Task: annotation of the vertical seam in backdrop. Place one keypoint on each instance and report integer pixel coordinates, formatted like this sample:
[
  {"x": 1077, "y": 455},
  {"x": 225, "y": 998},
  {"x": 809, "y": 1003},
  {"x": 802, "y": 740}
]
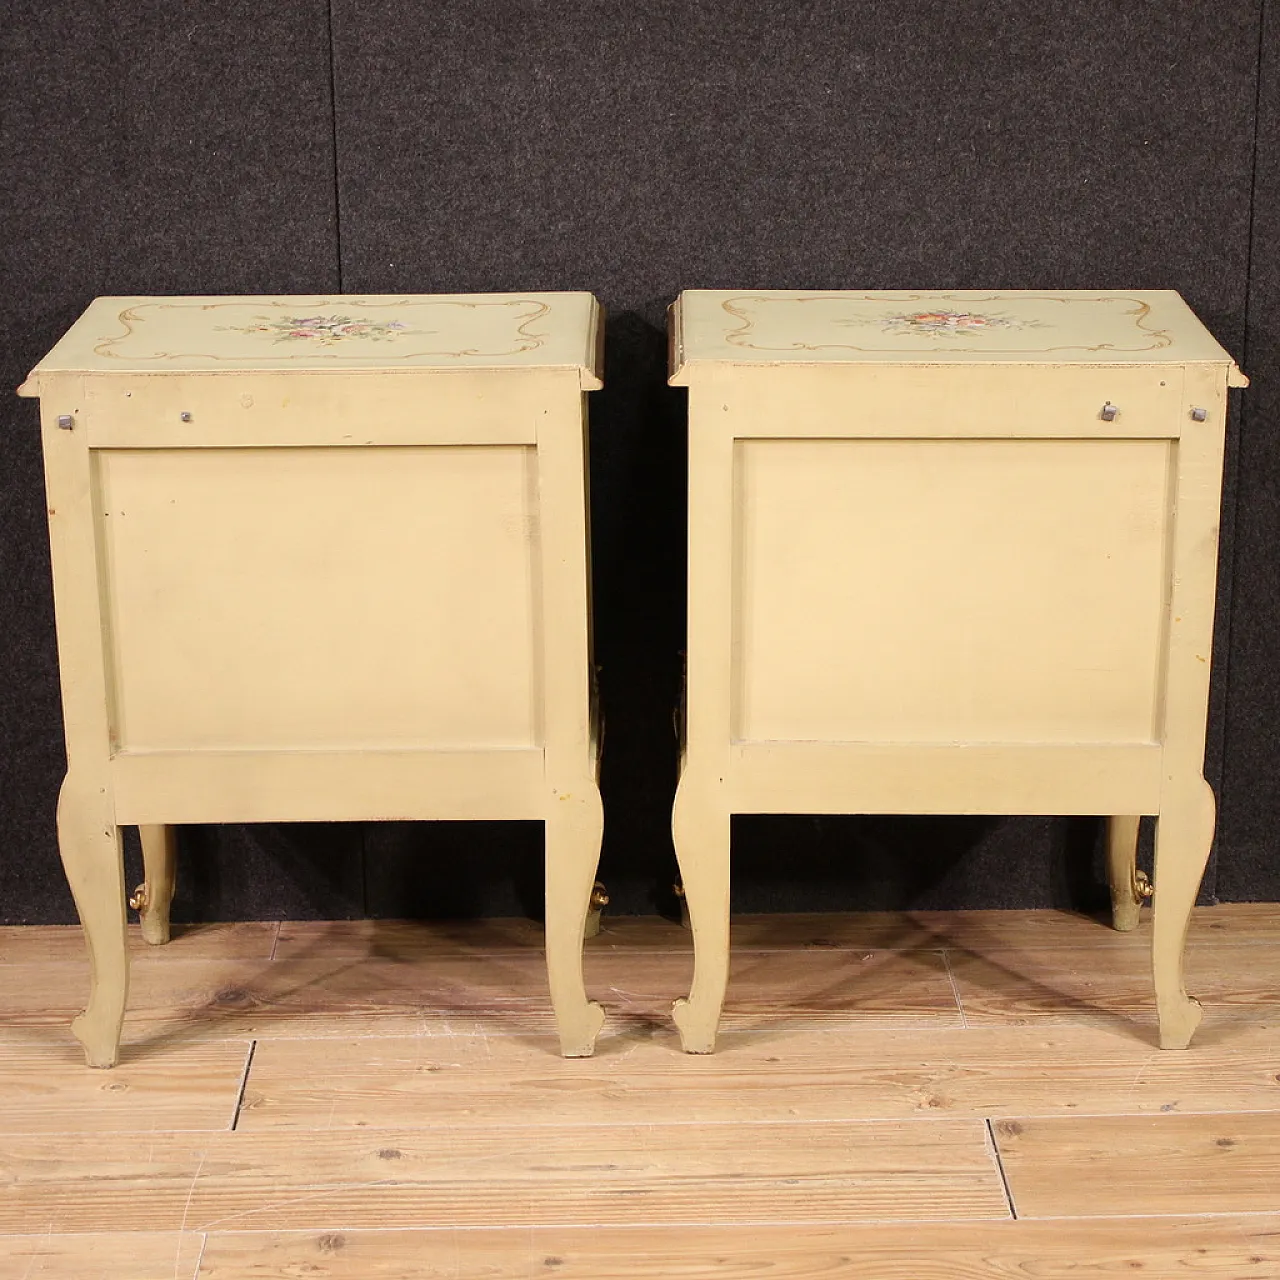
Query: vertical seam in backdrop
[
  {"x": 1230, "y": 695},
  {"x": 333, "y": 116}
]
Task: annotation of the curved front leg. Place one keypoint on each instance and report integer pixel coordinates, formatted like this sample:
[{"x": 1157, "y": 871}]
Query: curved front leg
[
  {"x": 154, "y": 895},
  {"x": 574, "y": 826},
  {"x": 89, "y": 842},
  {"x": 1184, "y": 834},
  {"x": 1127, "y": 885},
  {"x": 700, "y": 828}
]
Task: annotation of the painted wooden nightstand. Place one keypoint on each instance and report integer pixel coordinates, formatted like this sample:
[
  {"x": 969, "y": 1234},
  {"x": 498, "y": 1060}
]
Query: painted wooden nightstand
[
  {"x": 950, "y": 553},
  {"x": 321, "y": 559}
]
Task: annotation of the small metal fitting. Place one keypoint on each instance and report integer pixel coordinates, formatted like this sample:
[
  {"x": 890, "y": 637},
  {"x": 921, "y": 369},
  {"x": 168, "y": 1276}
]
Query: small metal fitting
[
  {"x": 139, "y": 900},
  {"x": 678, "y": 890},
  {"x": 1199, "y": 415},
  {"x": 595, "y": 909},
  {"x": 66, "y": 421},
  {"x": 185, "y": 415},
  {"x": 1109, "y": 412}
]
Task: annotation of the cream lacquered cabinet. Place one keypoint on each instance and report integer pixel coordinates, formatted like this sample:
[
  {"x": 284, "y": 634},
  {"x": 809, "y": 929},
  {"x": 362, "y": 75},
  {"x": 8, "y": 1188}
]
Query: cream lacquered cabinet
[
  {"x": 321, "y": 559},
  {"x": 950, "y": 553}
]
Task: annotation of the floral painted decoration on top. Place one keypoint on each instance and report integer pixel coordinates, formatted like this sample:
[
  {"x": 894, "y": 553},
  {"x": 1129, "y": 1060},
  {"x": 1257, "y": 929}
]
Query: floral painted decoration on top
[
  {"x": 325, "y": 331},
  {"x": 946, "y": 323}
]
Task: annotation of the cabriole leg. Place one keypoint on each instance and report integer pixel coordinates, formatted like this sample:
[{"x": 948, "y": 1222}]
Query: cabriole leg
[
  {"x": 1184, "y": 834},
  {"x": 700, "y": 828},
  {"x": 1127, "y": 886},
  {"x": 574, "y": 827},
  {"x": 89, "y": 842},
  {"x": 154, "y": 896}
]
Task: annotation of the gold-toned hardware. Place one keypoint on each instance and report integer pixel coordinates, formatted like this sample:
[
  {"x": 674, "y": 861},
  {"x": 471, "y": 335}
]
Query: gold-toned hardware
[
  {"x": 139, "y": 900},
  {"x": 599, "y": 900},
  {"x": 1142, "y": 886},
  {"x": 678, "y": 890}
]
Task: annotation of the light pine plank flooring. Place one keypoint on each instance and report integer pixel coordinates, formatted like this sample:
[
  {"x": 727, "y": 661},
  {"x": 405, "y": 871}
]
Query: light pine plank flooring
[{"x": 895, "y": 1097}]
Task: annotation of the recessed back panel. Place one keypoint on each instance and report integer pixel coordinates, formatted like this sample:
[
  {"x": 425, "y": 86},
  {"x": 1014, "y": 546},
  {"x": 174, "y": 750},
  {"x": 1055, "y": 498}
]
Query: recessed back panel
[
  {"x": 949, "y": 590},
  {"x": 321, "y": 598}
]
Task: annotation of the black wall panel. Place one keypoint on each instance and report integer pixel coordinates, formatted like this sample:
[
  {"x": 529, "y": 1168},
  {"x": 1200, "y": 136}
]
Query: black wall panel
[
  {"x": 1249, "y": 810},
  {"x": 634, "y": 150},
  {"x": 643, "y": 148},
  {"x": 149, "y": 148}
]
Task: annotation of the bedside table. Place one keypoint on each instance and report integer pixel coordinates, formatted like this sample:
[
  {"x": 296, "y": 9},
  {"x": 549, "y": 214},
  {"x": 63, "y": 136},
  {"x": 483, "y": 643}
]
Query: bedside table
[
  {"x": 950, "y": 553},
  {"x": 321, "y": 559}
]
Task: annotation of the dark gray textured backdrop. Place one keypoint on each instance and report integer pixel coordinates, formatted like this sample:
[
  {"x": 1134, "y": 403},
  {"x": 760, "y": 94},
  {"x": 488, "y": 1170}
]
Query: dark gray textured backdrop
[{"x": 634, "y": 150}]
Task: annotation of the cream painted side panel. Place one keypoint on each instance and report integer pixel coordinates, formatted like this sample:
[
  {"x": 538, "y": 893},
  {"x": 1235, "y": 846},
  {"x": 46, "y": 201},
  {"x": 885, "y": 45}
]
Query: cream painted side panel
[
  {"x": 332, "y": 599},
  {"x": 936, "y": 591}
]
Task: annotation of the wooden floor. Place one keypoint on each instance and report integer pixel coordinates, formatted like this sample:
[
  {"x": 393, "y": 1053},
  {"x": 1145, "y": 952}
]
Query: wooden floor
[{"x": 926, "y": 1097}]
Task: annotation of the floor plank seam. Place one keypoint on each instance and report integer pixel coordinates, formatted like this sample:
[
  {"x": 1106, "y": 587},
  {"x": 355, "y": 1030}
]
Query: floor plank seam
[
  {"x": 42, "y": 1135},
  {"x": 471, "y": 1125},
  {"x": 684, "y": 1225},
  {"x": 204, "y": 1244},
  {"x": 629, "y": 1224},
  {"x": 1152, "y": 1217},
  {"x": 1004, "y": 1179},
  {"x": 244, "y": 1084},
  {"x": 955, "y": 990},
  {"x": 637, "y": 1227}
]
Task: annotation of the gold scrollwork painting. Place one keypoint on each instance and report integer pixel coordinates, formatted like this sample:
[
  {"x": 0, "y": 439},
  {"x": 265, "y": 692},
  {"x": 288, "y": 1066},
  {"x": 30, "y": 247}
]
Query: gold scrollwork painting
[
  {"x": 941, "y": 322},
  {"x": 337, "y": 328}
]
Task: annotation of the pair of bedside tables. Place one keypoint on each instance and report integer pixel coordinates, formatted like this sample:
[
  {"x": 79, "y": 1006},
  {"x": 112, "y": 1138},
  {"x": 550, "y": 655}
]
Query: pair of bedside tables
[{"x": 327, "y": 559}]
